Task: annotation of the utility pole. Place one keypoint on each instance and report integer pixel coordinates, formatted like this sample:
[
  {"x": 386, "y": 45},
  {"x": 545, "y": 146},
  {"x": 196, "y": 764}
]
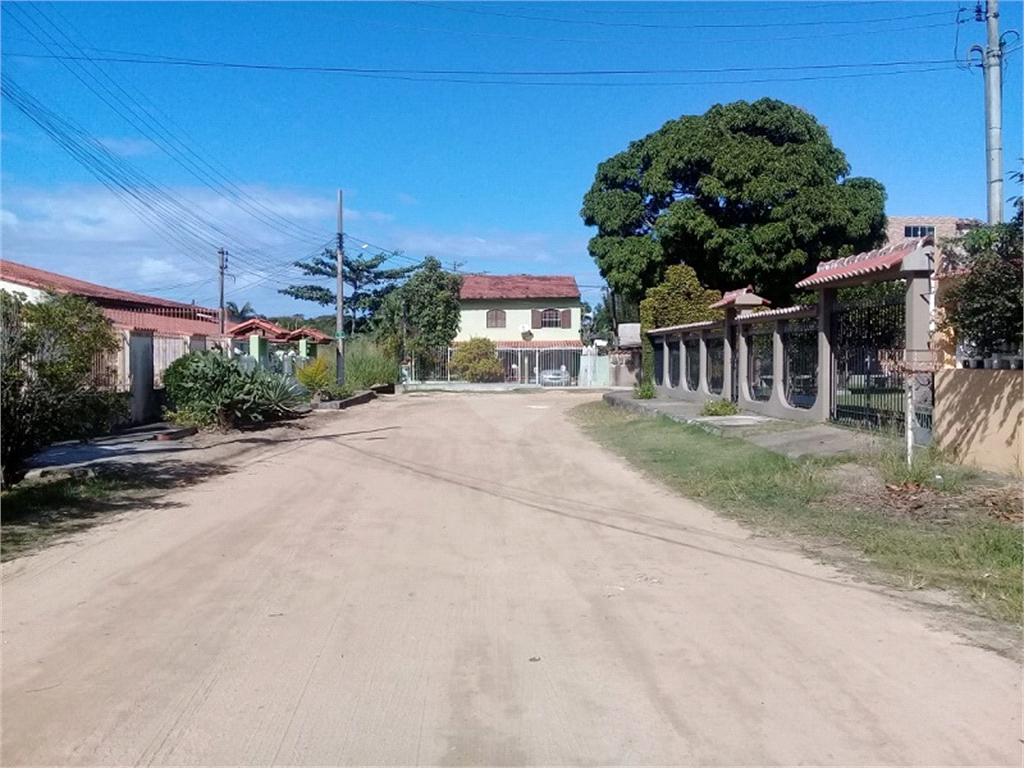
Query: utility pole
[
  {"x": 222, "y": 268},
  {"x": 992, "y": 64},
  {"x": 340, "y": 322}
]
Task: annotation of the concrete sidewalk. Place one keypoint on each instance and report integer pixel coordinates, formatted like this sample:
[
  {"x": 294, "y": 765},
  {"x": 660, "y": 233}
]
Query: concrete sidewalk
[{"x": 793, "y": 438}]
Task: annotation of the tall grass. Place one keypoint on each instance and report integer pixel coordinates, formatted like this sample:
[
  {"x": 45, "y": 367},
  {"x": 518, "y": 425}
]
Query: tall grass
[{"x": 366, "y": 364}]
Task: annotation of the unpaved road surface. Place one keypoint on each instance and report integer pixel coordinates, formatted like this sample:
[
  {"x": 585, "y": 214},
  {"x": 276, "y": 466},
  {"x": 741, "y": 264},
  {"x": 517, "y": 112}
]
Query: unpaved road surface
[{"x": 467, "y": 580}]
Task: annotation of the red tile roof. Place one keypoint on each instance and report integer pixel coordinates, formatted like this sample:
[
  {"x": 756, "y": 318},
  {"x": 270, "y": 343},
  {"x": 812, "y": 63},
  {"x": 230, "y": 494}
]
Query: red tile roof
[
  {"x": 519, "y": 287},
  {"x": 871, "y": 262},
  {"x": 730, "y": 297},
  {"x": 162, "y": 325},
  {"x": 40, "y": 278},
  {"x": 257, "y": 324},
  {"x": 534, "y": 344},
  {"x": 308, "y": 333}
]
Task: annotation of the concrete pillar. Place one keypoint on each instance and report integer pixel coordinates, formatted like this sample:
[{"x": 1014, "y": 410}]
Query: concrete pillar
[
  {"x": 140, "y": 367},
  {"x": 826, "y": 364},
  {"x": 743, "y": 374},
  {"x": 702, "y": 377},
  {"x": 304, "y": 348},
  {"x": 727, "y": 352},
  {"x": 779, "y": 363},
  {"x": 197, "y": 343},
  {"x": 918, "y": 311},
  {"x": 259, "y": 348}
]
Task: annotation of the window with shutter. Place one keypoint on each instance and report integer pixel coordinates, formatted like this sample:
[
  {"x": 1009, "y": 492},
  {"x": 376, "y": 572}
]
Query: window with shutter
[
  {"x": 495, "y": 318},
  {"x": 566, "y": 318},
  {"x": 535, "y": 319},
  {"x": 550, "y": 318}
]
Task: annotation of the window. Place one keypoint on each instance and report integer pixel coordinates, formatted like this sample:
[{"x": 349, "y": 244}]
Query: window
[
  {"x": 550, "y": 318},
  {"x": 918, "y": 231},
  {"x": 496, "y": 318}
]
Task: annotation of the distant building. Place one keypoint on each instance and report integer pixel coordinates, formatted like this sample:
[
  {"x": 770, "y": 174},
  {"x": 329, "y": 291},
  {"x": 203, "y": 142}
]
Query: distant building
[
  {"x": 521, "y": 310},
  {"x": 940, "y": 227}
]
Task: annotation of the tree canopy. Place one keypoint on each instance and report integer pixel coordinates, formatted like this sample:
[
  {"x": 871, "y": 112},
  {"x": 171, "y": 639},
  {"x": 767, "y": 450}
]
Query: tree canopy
[
  {"x": 423, "y": 313},
  {"x": 747, "y": 193},
  {"x": 366, "y": 276}
]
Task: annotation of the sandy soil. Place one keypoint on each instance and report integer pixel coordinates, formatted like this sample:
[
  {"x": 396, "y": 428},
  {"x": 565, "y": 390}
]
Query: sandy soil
[{"x": 467, "y": 580}]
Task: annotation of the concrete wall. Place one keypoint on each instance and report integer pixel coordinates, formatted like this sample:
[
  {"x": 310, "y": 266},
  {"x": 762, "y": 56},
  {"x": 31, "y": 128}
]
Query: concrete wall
[
  {"x": 977, "y": 417},
  {"x": 473, "y": 320},
  {"x": 31, "y": 294}
]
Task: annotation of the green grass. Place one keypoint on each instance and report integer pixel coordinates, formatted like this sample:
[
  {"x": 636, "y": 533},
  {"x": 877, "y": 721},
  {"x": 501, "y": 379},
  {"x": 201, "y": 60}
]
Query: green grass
[{"x": 974, "y": 554}]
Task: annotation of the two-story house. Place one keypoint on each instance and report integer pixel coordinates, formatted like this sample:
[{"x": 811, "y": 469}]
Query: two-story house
[{"x": 533, "y": 320}]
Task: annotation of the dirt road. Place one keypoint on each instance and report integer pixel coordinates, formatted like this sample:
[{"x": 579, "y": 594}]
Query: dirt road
[{"x": 466, "y": 580}]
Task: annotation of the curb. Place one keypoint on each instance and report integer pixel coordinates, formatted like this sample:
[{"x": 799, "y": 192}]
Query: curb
[
  {"x": 339, "y": 405},
  {"x": 632, "y": 405},
  {"x": 176, "y": 434}
]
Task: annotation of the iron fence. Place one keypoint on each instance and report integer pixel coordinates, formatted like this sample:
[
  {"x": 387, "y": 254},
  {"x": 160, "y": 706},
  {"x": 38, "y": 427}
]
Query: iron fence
[
  {"x": 692, "y": 347},
  {"x": 800, "y": 341},
  {"x": 673, "y": 362},
  {"x": 867, "y": 345},
  {"x": 760, "y": 360},
  {"x": 716, "y": 364},
  {"x": 547, "y": 367}
]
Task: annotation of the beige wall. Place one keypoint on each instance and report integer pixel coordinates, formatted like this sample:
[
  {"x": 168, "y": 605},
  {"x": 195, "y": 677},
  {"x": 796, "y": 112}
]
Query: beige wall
[
  {"x": 977, "y": 417},
  {"x": 473, "y": 320}
]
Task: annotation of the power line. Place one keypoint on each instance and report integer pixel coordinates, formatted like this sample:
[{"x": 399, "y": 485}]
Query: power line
[
  {"x": 460, "y": 8},
  {"x": 155, "y": 130}
]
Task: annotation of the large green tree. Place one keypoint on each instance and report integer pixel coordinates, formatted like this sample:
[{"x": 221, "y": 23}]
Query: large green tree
[
  {"x": 421, "y": 315},
  {"x": 367, "y": 278},
  {"x": 747, "y": 193}
]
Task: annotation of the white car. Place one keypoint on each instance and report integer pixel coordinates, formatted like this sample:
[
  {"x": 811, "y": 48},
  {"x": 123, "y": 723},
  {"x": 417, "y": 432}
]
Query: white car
[{"x": 554, "y": 377}]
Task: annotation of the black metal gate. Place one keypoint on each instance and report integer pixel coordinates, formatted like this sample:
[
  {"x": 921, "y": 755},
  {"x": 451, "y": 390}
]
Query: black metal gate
[
  {"x": 867, "y": 346},
  {"x": 734, "y": 365}
]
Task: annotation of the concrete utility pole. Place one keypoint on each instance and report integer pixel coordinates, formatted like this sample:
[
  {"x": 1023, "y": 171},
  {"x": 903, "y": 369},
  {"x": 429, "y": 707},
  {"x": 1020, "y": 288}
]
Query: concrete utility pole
[
  {"x": 992, "y": 64},
  {"x": 222, "y": 268},
  {"x": 340, "y": 332}
]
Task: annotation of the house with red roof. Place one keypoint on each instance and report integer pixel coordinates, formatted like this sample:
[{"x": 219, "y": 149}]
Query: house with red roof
[
  {"x": 126, "y": 310},
  {"x": 521, "y": 311}
]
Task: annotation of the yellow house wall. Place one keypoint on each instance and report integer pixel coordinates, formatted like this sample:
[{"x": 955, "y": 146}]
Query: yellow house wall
[
  {"x": 977, "y": 416},
  {"x": 473, "y": 320}
]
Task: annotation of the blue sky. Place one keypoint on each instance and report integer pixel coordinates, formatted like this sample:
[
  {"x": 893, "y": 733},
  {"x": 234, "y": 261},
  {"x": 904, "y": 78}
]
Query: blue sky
[{"x": 479, "y": 164}]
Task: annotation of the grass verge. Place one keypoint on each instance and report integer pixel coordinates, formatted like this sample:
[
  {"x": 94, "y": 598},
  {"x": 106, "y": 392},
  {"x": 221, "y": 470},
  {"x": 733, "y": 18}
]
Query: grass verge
[{"x": 826, "y": 503}]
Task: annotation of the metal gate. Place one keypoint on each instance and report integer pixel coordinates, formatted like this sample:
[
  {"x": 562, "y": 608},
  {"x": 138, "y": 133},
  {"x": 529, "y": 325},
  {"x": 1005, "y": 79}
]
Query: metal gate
[{"x": 867, "y": 344}]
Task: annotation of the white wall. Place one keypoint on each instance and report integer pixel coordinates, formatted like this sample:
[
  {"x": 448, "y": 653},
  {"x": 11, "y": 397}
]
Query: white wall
[
  {"x": 32, "y": 294},
  {"x": 473, "y": 320}
]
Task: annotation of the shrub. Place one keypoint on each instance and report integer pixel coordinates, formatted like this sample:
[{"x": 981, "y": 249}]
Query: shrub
[
  {"x": 316, "y": 376},
  {"x": 721, "y": 407},
  {"x": 207, "y": 388},
  {"x": 52, "y": 388},
  {"x": 367, "y": 364},
  {"x": 477, "y": 361},
  {"x": 334, "y": 392},
  {"x": 645, "y": 390}
]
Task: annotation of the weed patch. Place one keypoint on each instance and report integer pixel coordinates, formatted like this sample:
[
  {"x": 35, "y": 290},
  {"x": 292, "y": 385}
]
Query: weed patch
[{"x": 915, "y": 530}]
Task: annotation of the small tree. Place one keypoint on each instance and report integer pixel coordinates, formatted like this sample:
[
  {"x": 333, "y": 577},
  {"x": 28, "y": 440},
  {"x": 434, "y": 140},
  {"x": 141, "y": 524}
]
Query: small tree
[
  {"x": 985, "y": 305},
  {"x": 477, "y": 361},
  {"x": 52, "y": 386},
  {"x": 422, "y": 315},
  {"x": 679, "y": 300}
]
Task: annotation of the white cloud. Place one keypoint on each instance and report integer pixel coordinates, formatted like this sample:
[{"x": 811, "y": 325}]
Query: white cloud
[{"x": 128, "y": 147}]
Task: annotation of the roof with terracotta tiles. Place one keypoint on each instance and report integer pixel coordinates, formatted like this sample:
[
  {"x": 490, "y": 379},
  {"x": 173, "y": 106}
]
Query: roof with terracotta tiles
[
  {"x": 743, "y": 296},
  {"x": 880, "y": 260},
  {"x": 564, "y": 344},
  {"x": 308, "y": 333},
  {"x": 162, "y": 325},
  {"x": 41, "y": 279},
  {"x": 261, "y": 326},
  {"x": 519, "y": 287}
]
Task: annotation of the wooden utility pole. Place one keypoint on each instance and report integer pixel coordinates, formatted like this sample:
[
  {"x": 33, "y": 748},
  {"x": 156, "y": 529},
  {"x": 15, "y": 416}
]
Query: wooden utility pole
[
  {"x": 222, "y": 268},
  {"x": 340, "y": 321}
]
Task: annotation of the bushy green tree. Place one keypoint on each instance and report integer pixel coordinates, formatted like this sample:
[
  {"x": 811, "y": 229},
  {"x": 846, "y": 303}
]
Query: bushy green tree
[
  {"x": 423, "y": 314},
  {"x": 747, "y": 193},
  {"x": 53, "y": 385},
  {"x": 985, "y": 306},
  {"x": 679, "y": 300},
  {"x": 477, "y": 360}
]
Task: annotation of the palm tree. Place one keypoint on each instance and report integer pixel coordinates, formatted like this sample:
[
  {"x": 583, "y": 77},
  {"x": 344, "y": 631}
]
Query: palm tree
[{"x": 240, "y": 315}]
